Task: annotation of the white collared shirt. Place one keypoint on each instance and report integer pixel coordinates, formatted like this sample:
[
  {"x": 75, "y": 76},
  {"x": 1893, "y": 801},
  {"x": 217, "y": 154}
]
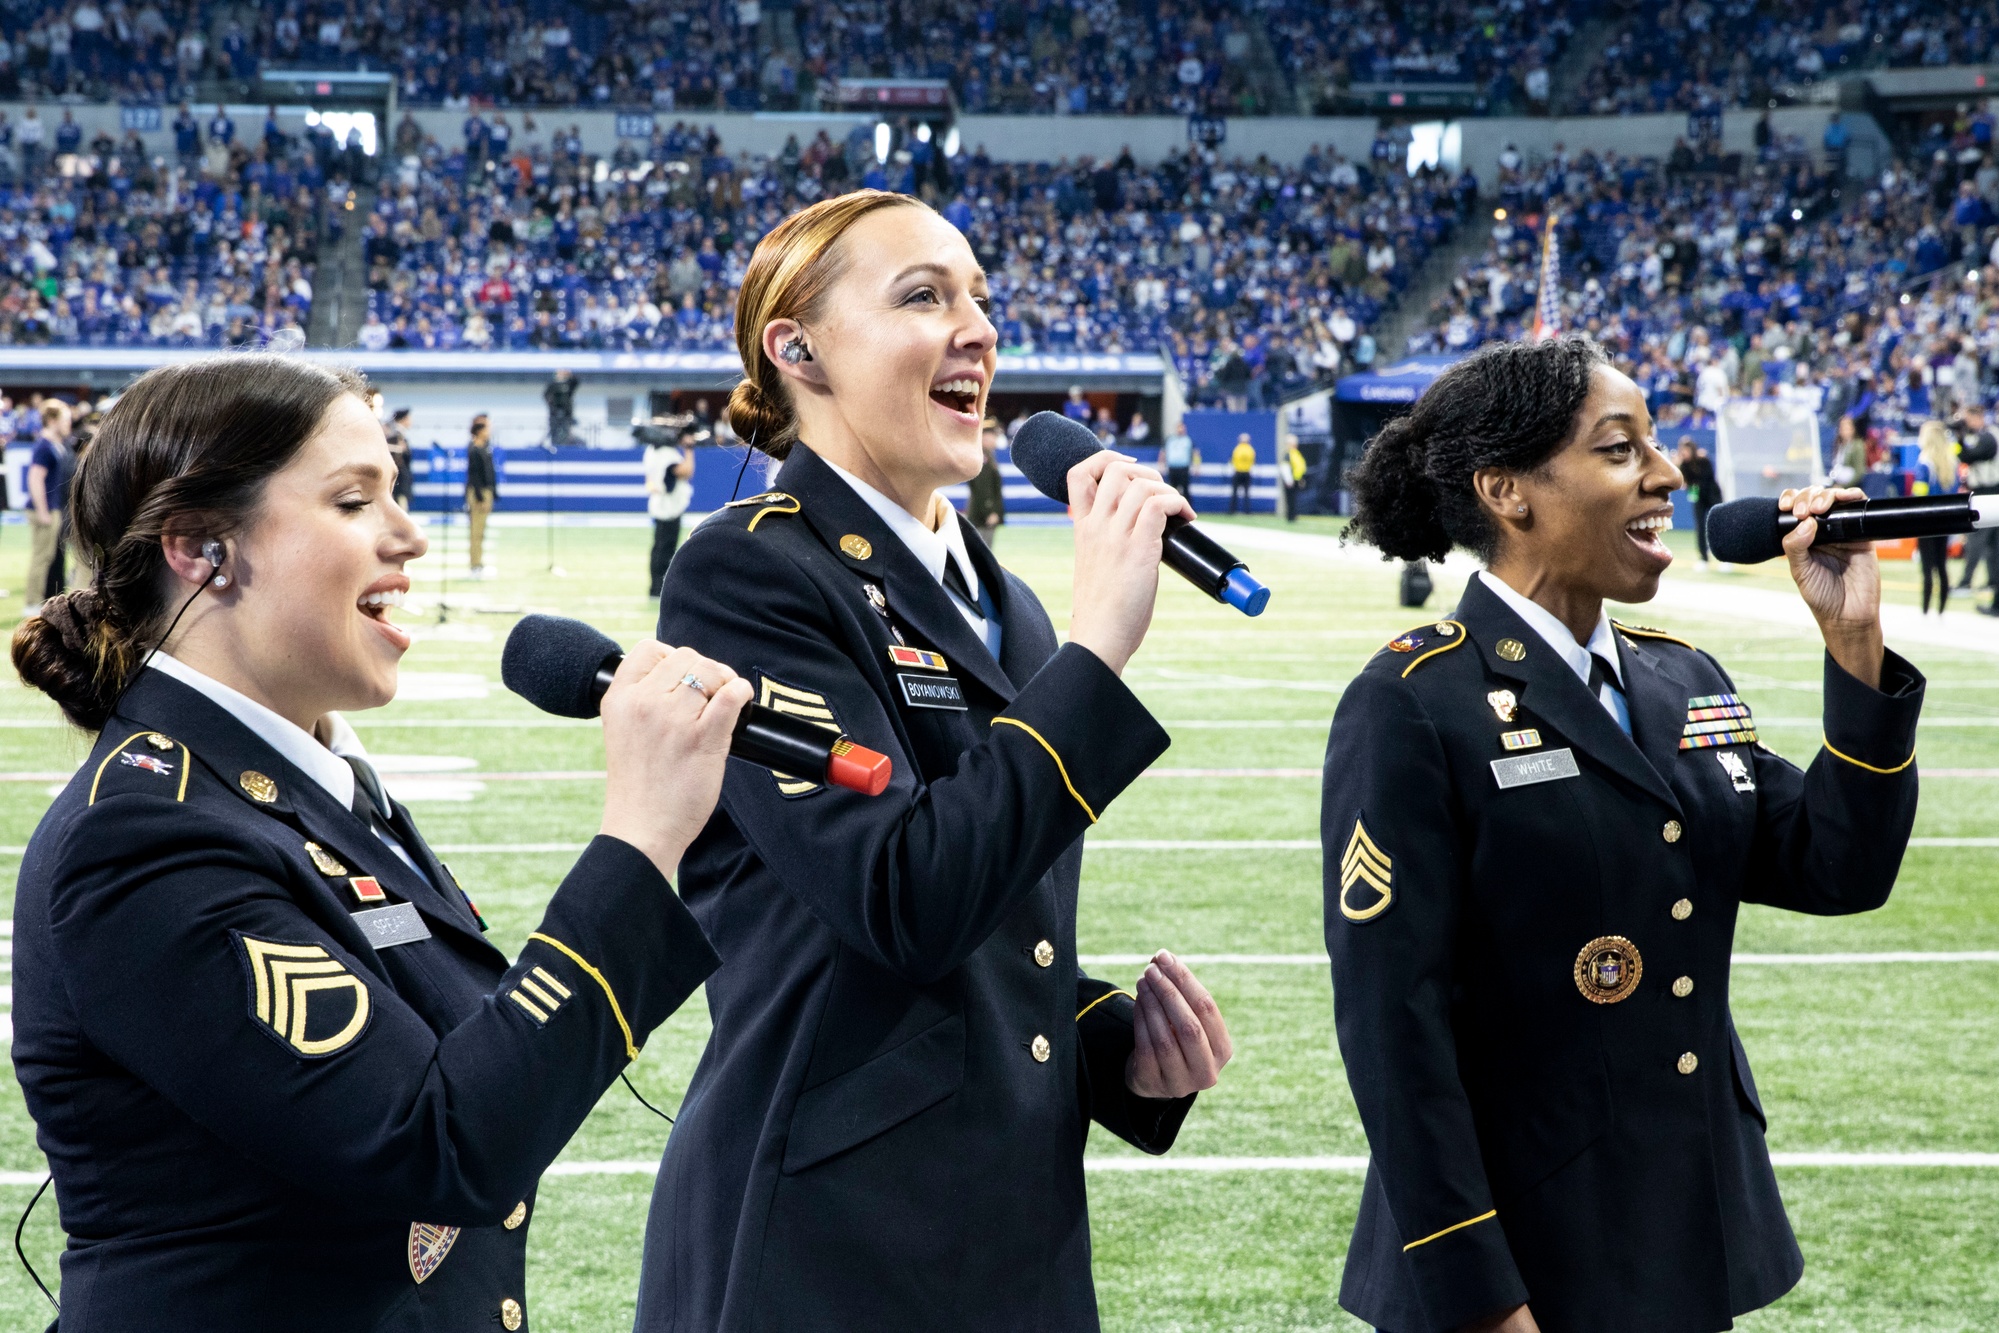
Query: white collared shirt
[
  {"x": 322, "y": 763},
  {"x": 1602, "y": 642},
  {"x": 932, "y": 547}
]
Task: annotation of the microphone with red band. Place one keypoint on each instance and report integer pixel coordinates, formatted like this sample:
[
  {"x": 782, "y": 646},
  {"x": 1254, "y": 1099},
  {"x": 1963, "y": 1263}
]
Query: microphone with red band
[
  {"x": 563, "y": 666},
  {"x": 1748, "y": 532},
  {"x": 1049, "y": 444}
]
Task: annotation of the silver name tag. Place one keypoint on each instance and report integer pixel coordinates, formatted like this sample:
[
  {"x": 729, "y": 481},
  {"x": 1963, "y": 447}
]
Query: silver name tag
[
  {"x": 1528, "y": 769},
  {"x": 386, "y": 927}
]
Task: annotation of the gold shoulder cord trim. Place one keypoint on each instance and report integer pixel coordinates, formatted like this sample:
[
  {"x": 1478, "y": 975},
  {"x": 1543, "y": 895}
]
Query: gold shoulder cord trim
[
  {"x": 1105, "y": 996},
  {"x": 1060, "y": 767},
  {"x": 776, "y": 506},
  {"x": 1470, "y": 1221},
  {"x": 1456, "y": 639},
  {"x": 1645, "y": 632},
  {"x": 631, "y": 1049},
  {"x": 1886, "y": 772},
  {"x": 186, "y": 757}
]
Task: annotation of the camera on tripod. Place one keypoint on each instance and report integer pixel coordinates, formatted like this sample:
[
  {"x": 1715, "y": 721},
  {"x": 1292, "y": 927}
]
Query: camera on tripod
[{"x": 675, "y": 428}]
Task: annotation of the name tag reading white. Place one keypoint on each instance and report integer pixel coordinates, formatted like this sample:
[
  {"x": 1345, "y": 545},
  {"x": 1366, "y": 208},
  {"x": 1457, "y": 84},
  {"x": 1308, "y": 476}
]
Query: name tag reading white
[
  {"x": 386, "y": 927},
  {"x": 1527, "y": 769}
]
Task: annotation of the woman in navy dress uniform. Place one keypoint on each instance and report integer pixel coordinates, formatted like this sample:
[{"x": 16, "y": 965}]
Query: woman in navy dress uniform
[
  {"x": 1539, "y": 825},
  {"x": 281, "y": 1078},
  {"x": 887, "y": 1128}
]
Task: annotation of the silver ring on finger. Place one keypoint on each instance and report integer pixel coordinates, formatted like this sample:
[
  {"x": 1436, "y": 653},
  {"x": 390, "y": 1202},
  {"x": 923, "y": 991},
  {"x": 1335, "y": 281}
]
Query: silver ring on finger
[{"x": 693, "y": 682}]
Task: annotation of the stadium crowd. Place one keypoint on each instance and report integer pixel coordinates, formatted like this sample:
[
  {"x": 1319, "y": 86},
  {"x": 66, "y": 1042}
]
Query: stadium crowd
[
  {"x": 1694, "y": 55},
  {"x": 544, "y": 248},
  {"x": 103, "y": 243},
  {"x": 1885, "y": 311}
]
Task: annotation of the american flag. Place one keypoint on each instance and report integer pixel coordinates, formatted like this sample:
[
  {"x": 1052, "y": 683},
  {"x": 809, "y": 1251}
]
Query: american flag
[{"x": 1548, "y": 308}]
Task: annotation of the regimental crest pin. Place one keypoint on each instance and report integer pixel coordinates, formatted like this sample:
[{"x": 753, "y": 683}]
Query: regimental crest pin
[
  {"x": 1408, "y": 643},
  {"x": 429, "y": 1243},
  {"x": 1503, "y": 703},
  {"x": 148, "y": 762},
  {"x": 1737, "y": 768},
  {"x": 324, "y": 862}
]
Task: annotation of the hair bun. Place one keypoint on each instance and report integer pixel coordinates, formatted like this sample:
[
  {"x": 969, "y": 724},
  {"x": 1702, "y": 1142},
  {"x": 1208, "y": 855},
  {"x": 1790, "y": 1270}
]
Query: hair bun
[
  {"x": 60, "y": 652},
  {"x": 763, "y": 424}
]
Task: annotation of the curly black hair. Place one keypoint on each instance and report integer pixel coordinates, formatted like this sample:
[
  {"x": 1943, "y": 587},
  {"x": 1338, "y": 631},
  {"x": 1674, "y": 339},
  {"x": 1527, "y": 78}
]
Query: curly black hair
[{"x": 1507, "y": 405}]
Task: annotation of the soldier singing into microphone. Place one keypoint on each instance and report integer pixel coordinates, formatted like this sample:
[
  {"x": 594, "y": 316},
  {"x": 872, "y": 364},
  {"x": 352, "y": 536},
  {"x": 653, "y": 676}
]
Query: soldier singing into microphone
[
  {"x": 887, "y": 1128},
  {"x": 1539, "y": 825}
]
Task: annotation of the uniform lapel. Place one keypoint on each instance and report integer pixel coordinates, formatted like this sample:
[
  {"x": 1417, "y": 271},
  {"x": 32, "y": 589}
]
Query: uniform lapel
[
  {"x": 1553, "y": 693},
  {"x": 915, "y": 598},
  {"x": 1658, "y": 701},
  {"x": 229, "y": 750}
]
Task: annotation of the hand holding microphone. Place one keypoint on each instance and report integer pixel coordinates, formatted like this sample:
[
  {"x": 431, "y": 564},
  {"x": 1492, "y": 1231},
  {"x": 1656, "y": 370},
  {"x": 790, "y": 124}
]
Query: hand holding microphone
[
  {"x": 1121, "y": 508},
  {"x": 1126, "y": 526},
  {"x": 668, "y": 718},
  {"x": 1840, "y": 582}
]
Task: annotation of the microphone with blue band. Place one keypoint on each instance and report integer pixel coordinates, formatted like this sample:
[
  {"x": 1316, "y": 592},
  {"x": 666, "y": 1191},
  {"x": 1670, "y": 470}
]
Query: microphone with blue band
[{"x": 1049, "y": 444}]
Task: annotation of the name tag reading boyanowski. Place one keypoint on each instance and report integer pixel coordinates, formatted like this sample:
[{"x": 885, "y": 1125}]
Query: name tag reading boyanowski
[
  {"x": 932, "y": 692},
  {"x": 1527, "y": 769},
  {"x": 386, "y": 927}
]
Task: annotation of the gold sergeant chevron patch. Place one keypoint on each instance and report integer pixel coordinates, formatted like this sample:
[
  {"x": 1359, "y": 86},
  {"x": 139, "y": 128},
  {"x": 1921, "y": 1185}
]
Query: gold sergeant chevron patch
[
  {"x": 799, "y": 703},
  {"x": 304, "y": 996},
  {"x": 1364, "y": 863}
]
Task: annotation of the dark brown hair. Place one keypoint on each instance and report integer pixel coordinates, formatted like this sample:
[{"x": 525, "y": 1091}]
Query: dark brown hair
[
  {"x": 788, "y": 278},
  {"x": 185, "y": 451},
  {"x": 1507, "y": 405}
]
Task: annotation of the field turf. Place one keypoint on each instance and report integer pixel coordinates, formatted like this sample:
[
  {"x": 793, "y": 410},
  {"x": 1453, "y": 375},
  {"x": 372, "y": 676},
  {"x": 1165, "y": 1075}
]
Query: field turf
[{"x": 1850, "y": 1058}]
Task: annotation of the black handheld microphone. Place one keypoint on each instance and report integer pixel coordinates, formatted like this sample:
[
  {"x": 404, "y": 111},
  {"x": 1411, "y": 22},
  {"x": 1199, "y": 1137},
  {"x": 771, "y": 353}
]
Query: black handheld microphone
[
  {"x": 1748, "y": 532},
  {"x": 1049, "y": 444},
  {"x": 563, "y": 666}
]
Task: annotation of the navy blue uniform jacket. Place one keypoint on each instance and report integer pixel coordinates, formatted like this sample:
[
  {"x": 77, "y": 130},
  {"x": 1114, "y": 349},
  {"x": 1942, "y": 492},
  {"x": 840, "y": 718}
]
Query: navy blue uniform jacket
[
  {"x": 1531, "y": 982},
  {"x": 886, "y": 1130},
  {"x": 256, "y": 1119}
]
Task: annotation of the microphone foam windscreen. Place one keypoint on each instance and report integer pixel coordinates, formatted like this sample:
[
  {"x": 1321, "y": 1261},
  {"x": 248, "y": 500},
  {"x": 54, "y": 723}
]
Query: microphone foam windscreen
[
  {"x": 1744, "y": 532},
  {"x": 1048, "y": 445},
  {"x": 552, "y": 662}
]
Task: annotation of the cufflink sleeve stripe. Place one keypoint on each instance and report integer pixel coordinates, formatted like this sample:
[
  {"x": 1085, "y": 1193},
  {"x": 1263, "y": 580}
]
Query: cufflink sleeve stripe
[
  {"x": 529, "y": 985},
  {"x": 1060, "y": 767},
  {"x": 528, "y": 1005},
  {"x": 547, "y": 979},
  {"x": 631, "y": 1047},
  {"x": 1470, "y": 1221},
  {"x": 1889, "y": 772},
  {"x": 1105, "y": 996}
]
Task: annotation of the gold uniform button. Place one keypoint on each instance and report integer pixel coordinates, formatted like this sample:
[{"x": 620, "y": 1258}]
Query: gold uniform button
[
  {"x": 1039, "y": 1046},
  {"x": 1683, "y": 987},
  {"x": 1688, "y": 1063},
  {"x": 1672, "y": 831},
  {"x": 516, "y": 1217},
  {"x": 1683, "y": 909},
  {"x": 1044, "y": 954},
  {"x": 511, "y": 1314}
]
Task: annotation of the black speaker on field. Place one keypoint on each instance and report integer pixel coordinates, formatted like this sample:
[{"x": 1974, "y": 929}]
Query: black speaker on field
[{"x": 1416, "y": 585}]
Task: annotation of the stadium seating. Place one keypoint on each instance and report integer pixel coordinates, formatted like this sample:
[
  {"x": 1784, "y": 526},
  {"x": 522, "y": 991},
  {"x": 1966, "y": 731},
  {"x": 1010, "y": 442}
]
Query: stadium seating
[
  {"x": 104, "y": 246},
  {"x": 1091, "y": 256}
]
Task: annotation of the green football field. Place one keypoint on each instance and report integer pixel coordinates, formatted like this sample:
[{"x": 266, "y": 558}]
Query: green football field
[{"x": 1853, "y": 1058}]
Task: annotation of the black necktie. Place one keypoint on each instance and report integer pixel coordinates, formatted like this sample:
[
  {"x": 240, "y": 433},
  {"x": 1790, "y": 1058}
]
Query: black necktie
[
  {"x": 954, "y": 580},
  {"x": 371, "y": 801},
  {"x": 1600, "y": 675}
]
